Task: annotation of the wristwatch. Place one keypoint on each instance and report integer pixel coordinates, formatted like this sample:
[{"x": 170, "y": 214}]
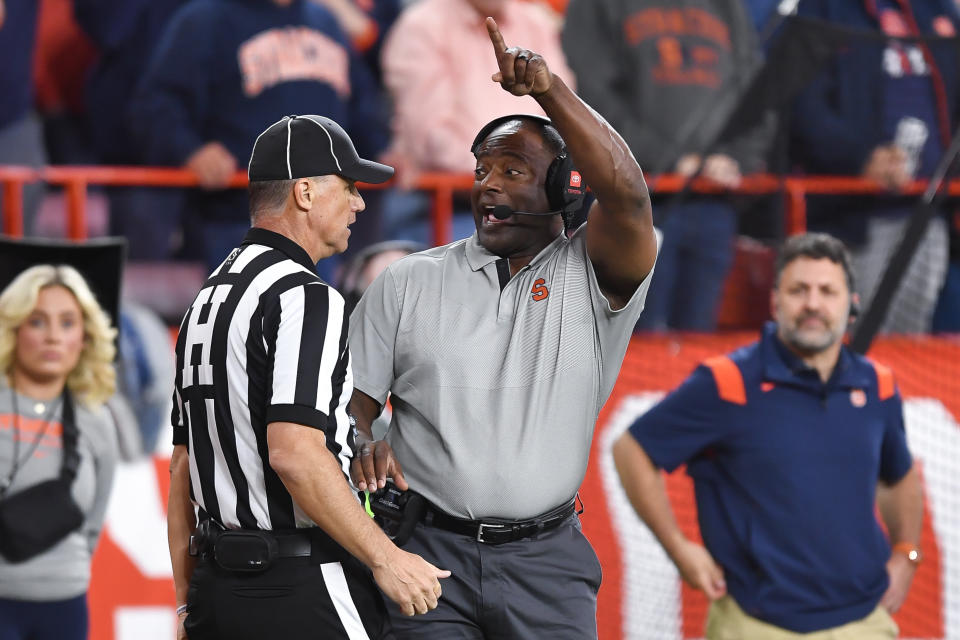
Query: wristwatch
[
  {"x": 910, "y": 550},
  {"x": 354, "y": 433}
]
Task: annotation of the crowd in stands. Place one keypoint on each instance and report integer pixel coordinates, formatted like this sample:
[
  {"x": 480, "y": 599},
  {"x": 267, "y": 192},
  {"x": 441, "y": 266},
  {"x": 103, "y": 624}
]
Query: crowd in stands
[
  {"x": 651, "y": 94},
  {"x": 189, "y": 83}
]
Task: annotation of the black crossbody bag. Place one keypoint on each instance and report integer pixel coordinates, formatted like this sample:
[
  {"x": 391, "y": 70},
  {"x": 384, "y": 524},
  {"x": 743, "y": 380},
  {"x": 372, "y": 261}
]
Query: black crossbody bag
[{"x": 37, "y": 518}]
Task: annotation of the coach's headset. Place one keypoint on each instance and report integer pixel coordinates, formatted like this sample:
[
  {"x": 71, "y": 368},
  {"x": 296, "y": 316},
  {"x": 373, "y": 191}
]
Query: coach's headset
[
  {"x": 854, "y": 308},
  {"x": 564, "y": 186},
  {"x": 854, "y": 311}
]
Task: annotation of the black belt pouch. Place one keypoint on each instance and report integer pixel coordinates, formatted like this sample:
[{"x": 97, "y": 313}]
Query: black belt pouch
[{"x": 247, "y": 551}]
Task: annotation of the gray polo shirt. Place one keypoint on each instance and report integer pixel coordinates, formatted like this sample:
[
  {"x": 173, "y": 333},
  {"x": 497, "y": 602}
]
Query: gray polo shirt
[{"x": 495, "y": 392}]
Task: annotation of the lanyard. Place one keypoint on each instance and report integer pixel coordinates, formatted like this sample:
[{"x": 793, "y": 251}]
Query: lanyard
[{"x": 18, "y": 462}]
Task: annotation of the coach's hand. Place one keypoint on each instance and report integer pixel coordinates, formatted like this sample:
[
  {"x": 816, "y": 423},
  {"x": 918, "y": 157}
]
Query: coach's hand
[
  {"x": 699, "y": 569},
  {"x": 373, "y": 464},
  {"x": 522, "y": 72},
  {"x": 410, "y": 581},
  {"x": 901, "y": 570}
]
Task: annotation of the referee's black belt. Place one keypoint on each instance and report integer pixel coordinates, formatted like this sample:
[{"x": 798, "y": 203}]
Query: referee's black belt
[
  {"x": 284, "y": 544},
  {"x": 498, "y": 531},
  {"x": 293, "y": 544}
]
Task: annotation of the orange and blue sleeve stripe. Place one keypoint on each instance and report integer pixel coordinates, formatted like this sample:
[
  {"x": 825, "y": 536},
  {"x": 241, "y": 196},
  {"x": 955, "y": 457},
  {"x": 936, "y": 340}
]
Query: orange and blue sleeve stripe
[
  {"x": 728, "y": 378},
  {"x": 886, "y": 387}
]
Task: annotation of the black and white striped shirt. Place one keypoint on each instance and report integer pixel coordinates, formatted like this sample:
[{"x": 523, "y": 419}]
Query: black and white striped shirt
[{"x": 264, "y": 341}]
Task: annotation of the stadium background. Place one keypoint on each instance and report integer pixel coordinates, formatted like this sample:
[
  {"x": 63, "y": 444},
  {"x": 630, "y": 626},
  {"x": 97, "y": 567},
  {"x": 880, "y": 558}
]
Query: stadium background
[{"x": 131, "y": 594}]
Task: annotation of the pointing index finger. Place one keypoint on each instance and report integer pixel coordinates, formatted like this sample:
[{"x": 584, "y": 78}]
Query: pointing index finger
[{"x": 499, "y": 46}]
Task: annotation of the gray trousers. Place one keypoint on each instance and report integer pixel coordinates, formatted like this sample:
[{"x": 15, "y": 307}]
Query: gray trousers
[
  {"x": 543, "y": 587},
  {"x": 21, "y": 143},
  {"x": 915, "y": 300}
]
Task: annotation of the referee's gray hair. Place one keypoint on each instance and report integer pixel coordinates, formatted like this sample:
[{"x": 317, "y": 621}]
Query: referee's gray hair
[
  {"x": 267, "y": 197},
  {"x": 816, "y": 246}
]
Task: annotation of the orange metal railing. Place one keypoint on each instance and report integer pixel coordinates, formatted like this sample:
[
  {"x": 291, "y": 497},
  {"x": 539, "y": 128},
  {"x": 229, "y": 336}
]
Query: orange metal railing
[{"x": 76, "y": 179}]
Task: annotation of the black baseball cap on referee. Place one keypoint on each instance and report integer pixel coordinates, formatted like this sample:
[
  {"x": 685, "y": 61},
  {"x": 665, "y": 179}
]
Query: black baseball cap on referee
[{"x": 307, "y": 146}]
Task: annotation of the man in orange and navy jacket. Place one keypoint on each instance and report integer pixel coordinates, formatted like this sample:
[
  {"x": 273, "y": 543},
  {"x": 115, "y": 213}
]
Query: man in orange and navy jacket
[{"x": 786, "y": 440}]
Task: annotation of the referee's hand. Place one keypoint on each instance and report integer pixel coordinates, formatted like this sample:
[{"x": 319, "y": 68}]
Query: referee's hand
[
  {"x": 181, "y": 630},
  {"x": 410, "y": 581},
  {"x": 522, "y": 72}
]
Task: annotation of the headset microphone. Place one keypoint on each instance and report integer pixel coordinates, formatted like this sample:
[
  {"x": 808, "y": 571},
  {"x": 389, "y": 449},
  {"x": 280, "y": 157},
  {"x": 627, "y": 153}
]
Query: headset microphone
[{"x": 502, "y": 212}]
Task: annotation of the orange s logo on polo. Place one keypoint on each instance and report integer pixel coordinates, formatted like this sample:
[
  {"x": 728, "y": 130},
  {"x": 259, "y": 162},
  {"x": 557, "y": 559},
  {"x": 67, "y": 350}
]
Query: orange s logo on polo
[
  {"x": 858, "y": 398},
  {"x": 539, "y": 290}
]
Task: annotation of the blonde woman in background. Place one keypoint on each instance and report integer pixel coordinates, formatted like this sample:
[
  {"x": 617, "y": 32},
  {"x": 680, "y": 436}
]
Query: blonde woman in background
[{"x": 57, "y": 450}]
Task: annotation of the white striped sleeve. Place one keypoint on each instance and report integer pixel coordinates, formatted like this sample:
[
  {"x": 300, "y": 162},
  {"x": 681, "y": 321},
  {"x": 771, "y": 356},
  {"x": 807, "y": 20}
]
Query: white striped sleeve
[
  {"x": 285, "y": 363},
  {"x": 305, "y": 356}
]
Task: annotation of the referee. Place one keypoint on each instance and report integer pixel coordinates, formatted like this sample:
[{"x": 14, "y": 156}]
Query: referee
[{"x": 262, "y": 439}]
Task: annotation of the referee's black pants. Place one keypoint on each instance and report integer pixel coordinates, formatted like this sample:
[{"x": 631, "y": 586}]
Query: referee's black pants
[{"x": 307, "y": 597}]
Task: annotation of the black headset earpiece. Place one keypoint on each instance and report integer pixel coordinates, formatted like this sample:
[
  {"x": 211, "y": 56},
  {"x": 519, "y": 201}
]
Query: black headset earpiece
[
  {"x": 563, "y": 184},
  {"x": 854, "y": 309},
  {"x": 565, "y": 188}
]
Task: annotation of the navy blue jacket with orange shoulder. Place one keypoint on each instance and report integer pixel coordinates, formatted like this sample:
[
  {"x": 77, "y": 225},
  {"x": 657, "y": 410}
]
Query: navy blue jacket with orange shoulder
[{"x": 785, "y": 469}]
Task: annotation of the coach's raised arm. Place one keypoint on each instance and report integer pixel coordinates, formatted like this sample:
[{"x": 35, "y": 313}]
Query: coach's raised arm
[
  {"x": 620, "y": 237},
  {"x": 498, "y": 352}
]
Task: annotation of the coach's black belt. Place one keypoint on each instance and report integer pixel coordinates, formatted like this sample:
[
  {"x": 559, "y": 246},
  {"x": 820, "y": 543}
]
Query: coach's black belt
[{"x": 498, "y": 531}]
